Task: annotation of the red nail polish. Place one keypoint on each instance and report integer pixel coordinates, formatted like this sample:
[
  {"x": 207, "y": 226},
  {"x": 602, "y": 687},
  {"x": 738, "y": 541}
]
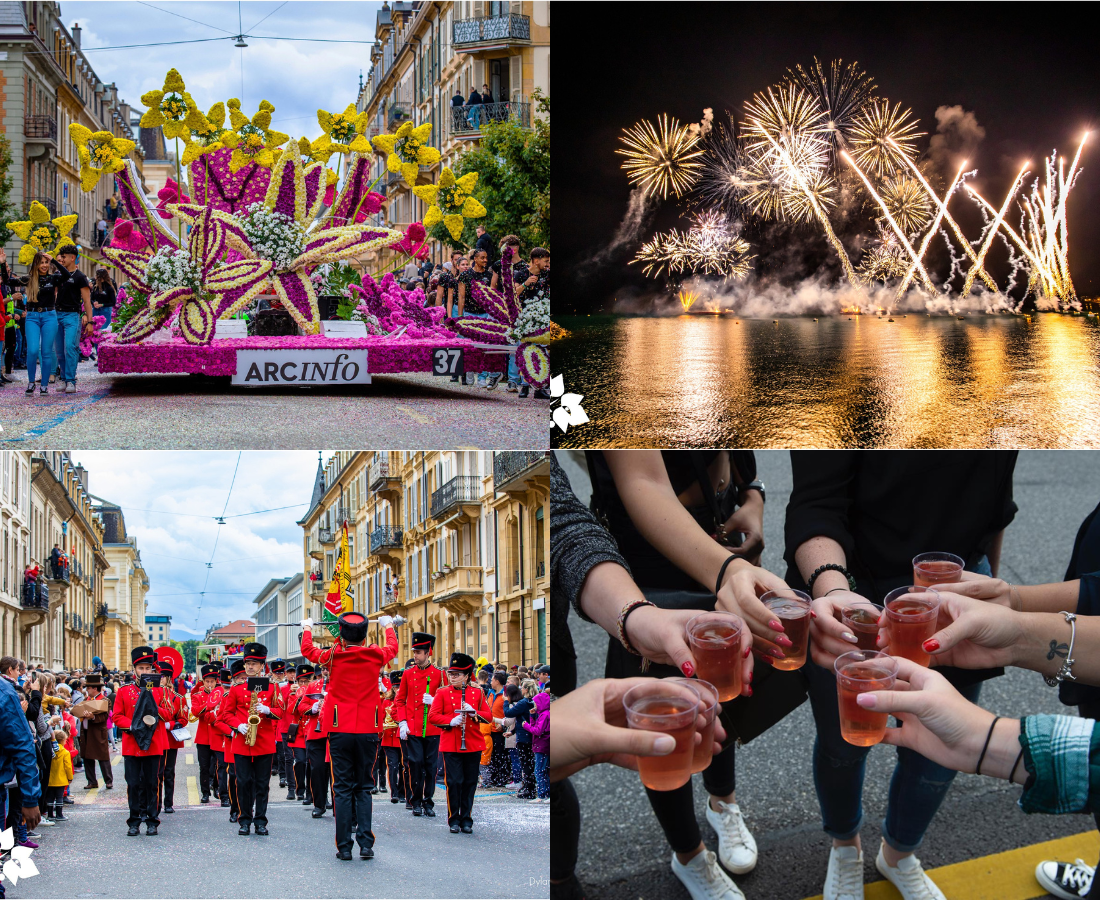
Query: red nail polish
[
  {"x": 688, "y": 669},
  {"x": 813, "y": 615},
  {"x": 931, "y": 645},
  {"x": 774, "y": 625},
  {"x": 784, "y": 641},
  {"x": 748, "y": 691},
  {"x": 749, "y": 679}
]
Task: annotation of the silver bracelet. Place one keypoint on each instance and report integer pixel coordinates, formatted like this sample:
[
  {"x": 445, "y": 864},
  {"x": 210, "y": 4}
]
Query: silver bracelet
[{"x": 1056, "y": 649}]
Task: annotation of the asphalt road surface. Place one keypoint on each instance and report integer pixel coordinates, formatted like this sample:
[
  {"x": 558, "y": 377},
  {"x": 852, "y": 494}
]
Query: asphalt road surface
[
  {"x": 623, "y": 854},
  {"x": 198, "y": 853},
  {"x": 140, "y": 412}
]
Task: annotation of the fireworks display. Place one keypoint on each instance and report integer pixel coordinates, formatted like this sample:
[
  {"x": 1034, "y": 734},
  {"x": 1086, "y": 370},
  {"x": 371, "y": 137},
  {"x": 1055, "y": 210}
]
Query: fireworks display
[{"x": 800, "y": 145}]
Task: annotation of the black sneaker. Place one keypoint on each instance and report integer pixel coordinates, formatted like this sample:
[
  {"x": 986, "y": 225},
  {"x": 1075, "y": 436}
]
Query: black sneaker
[
  {"x": 44, "y": 389},
  {"x": 429, "y": 812},
  {"x": 133, "y": 831},
  {"x": 493, "y": 381},
  {"x": 1069, "y": 881},
  {"x": 150, "y": 829},
  {"x": 524, "y": 390},
  {"x": 343, "y": 854},
  {"x": 30, "y": 388},
  {"x": 366, "y": 853},
  {"x": 541, "y": 394}
]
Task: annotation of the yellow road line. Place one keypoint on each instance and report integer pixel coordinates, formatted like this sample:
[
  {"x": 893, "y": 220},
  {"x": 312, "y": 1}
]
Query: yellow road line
[
  {"x": 116, "y": 760},
  {"x": 192, "y": 791},
  {"x": 189, "y": 759},
  {"x": 1000, "y": 876},
  {"x": 415, "y": 416},
  {"x": 87, "y": 797}
]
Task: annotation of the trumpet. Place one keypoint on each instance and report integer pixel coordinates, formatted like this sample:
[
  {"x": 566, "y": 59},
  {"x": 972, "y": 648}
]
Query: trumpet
[{"x": 253, "y": 719}]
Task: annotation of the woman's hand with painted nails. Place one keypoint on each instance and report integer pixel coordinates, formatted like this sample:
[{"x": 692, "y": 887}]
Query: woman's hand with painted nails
[{"x": 829, "y": 636}]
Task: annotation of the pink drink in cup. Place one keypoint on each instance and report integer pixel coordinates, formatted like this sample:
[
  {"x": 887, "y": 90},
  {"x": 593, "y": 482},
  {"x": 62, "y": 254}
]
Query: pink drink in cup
[
  {"x": 862, "y": 621},
  {"x": 708, "y": 708},
  {"x": 792, "y": 609},
  {"x": 911, "y": 620},
  {"x": 857, "y": 672},
  {"x": 937, "y": 568},
  {"x": 715, "y": 642},
  {"x": 662, "y": 704}
]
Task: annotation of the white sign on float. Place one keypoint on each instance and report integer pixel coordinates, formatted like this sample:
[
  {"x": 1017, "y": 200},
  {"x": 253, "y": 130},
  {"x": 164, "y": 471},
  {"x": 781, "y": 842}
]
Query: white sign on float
[{"x": 264, "y": 368}]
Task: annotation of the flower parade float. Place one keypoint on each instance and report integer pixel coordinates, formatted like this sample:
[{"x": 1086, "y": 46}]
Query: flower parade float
[{"x": 261, "y": 217}]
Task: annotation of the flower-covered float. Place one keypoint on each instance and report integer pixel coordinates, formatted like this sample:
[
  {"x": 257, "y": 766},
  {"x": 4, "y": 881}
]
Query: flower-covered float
[{"x": 260, "y": 218}]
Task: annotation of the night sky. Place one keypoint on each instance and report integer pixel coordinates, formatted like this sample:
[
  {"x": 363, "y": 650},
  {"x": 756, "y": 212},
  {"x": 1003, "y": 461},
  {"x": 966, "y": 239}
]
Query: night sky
[{"x": 1027, "y": 72}]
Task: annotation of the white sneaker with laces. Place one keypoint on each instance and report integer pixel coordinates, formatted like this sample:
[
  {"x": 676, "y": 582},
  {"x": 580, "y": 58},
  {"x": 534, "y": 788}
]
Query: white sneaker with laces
[
  {"x": 844, "y": 878},
  {"x": 736, "y": 846},
  {"x": 1070, "y": 881},
  {"x": 704, "y": 878},
  {"x": 909, "y": 878}
]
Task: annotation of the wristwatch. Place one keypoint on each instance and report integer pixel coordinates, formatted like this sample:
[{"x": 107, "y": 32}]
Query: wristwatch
[{"x": 754, "y": 485}]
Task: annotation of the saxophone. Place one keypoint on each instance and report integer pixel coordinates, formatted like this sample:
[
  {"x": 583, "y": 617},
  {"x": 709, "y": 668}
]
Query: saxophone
[{"x": 253, "y": 719}]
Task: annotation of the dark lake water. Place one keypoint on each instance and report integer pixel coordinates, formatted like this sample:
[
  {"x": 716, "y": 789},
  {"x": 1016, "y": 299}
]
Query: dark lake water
[{"x": 706, "y": 381}]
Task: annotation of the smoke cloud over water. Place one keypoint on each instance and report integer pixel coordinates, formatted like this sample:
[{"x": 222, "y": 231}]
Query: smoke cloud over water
[{"x": 958, "y": 135}]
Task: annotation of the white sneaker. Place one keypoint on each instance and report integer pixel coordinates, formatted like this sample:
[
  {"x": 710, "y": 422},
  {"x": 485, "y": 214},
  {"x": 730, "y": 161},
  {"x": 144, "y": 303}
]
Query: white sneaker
[
  {"x": 1069, "y": 881},
  {"x": 536, "y": 800},
  {"x": 844, "y": 878},
  {"x": 512, "y": 785},
  {"x": 736, "y": 847},
  {"x": 909, "y": 878},
  {"x": 47, "y": 823},
  {"x": 704, "y": 878}
]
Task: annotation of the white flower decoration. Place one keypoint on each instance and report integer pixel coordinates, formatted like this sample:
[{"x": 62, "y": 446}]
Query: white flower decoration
[{"x": 569, "y": 411}]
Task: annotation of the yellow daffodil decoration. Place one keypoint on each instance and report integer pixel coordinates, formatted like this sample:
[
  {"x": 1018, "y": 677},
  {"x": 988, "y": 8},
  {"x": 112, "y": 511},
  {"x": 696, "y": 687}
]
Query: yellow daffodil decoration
[
  {"x": 172, "y": 108},
  {"x": 256, "y": 142},
  {"x": 408, "y": 150},
  {"x": 346, "y": 131},
  {"x": 318, "y": 150},
  {"x": 41, "y": 233},
  {"x": 99, "y": 152},
  {"x": 450, "y": 201},
  {"x": 213, "y": 135}
]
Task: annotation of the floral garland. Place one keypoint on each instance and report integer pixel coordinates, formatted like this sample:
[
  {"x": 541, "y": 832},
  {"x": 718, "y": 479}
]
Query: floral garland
[
  {"x": 169, "y": 268},
  {"x": 533, "y": 319},
  {"x": 273, "y": 235}
]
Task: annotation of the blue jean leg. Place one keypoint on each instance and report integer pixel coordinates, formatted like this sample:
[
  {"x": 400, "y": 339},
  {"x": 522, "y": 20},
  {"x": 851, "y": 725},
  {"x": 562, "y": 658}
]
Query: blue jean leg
[
  {"x": 40, "y": 328},
  {"x": 481, "y": 375},
  {"x": 68, "y": 325}
]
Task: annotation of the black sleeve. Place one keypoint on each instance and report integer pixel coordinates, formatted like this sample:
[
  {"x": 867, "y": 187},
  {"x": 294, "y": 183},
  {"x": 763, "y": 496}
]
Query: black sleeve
[
  {"x": 820, "y": 499},
  {"x": 34, "y": 707}
]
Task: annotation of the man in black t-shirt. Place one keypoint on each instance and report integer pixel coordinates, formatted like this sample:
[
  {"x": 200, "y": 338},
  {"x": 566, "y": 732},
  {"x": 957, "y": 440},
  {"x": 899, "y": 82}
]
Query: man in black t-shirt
[
  {"x": 74, "y": 312},
  {"x": 519, "y": 268},
  {"x": 538, "y": 277}
]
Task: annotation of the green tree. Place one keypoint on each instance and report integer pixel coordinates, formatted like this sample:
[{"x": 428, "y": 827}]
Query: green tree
[
  {"x": 8, "y": 212},
  {"x": 189, "y": 651},
  {"x": 513, "y": 184}
]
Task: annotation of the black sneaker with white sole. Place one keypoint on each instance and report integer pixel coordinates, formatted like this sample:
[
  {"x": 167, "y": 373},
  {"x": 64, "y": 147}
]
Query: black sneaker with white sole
[{"x": 1070, "y": 881}]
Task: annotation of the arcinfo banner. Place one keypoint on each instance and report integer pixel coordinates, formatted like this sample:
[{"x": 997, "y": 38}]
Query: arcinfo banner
[{"x": 264, "y": 368}]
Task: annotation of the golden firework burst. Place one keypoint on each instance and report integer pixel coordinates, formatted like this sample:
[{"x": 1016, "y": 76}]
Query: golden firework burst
[{"x": 663, "y": 159}]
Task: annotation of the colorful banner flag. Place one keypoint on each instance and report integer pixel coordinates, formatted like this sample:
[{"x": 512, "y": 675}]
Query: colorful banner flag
[{"x": 338, "y": 600}]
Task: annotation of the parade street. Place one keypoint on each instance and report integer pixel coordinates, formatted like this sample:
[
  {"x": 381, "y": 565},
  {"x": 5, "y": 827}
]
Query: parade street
[
  {"x": 198, "y": 853},
  {"x": 196, "y": 412},
  {"x": 980, "y": 845}
]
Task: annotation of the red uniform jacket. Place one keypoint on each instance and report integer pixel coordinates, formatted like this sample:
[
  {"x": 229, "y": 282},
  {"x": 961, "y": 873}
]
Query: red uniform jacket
[
  {"x": 123, "y": 714},
  {"x": 292, "y": 717},
  {"x": 351, "y": 706},
  {"x": 234, "y": 712},
  {"x": 285, "y": 721},
  {"x": 445, "y": 708},
  {"x": 391, "y": 737},
  {"x": 313, "y": 724},
  {"x": 202, "y": 707},
  {"x": 179, "y": 707},
  {"x": 408, "y": 705}
]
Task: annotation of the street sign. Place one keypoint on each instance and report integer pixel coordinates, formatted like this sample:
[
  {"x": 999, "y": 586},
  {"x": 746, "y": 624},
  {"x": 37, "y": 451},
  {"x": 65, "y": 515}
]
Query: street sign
[
  {"x": 264, "y": 368},
  {"x": 448, "y": 361}
]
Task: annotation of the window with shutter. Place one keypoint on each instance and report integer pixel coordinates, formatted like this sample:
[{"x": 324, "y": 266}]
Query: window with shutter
[{"x": 515, "y": 77}]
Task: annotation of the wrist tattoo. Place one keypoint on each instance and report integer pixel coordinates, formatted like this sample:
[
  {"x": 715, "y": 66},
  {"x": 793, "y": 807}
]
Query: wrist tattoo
[{"x": 1057, "y": 649}]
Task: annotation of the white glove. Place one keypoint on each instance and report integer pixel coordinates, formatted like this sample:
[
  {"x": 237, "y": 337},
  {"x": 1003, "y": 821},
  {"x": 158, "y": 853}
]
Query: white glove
[
  {"x": 499, "y": 722},
  {"x": 262, "y": 709},
  {"x": 457, "y": 720},
  {"x": 467, "y": 707},
  {"x": 307, "y": 623},
  {"x": 385, "y": 621},
  {"x": 427, "y": 698},
  {"x": 403, "y": 727},
  {"x": 167, "y": 726},
  {"x": 242, "y": 728},
  {"x": 316, "y": 708}
]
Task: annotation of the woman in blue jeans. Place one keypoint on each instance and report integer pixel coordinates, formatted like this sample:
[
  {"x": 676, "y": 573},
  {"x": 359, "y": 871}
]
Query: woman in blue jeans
[
  {"x": 854, "y": 523},
  {"x": 40, "y": 326}
]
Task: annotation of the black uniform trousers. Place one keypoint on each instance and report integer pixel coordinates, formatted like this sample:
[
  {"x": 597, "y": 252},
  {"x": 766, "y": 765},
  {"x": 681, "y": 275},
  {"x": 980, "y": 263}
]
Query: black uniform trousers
[
  {"x": 253, "y": 782},
  {"x": 318, "y": 772},
  {"x": 380, "y": 767},
  {"x": 461, "y": 770},
  {"x": 277, "y": 762},
  {"x": 142, "y": 788},
  {"x": 397, "y": 772},
  {"x": 206, "y": 759},
  {"x": 300, "y": 770},
  {"x": 221, "y": 774},
  {"x": 168, "y": 778},
  {"x": 104, "y": 767},
  {"x": 420, "y": 760},
  {"x": 353, "y": 759}
]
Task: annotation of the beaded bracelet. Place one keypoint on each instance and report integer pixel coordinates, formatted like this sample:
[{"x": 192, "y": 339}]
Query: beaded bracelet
[
  {"x": 623, "y": 639},
  {"x": 834, "y": 567}
]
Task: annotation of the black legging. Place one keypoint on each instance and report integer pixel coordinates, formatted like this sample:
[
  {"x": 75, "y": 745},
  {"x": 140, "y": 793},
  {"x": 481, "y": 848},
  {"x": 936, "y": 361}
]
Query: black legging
[{"x": 565, "y": 810}]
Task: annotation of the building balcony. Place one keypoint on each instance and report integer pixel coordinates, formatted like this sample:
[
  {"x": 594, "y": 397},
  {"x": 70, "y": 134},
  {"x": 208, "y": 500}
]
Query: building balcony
[
  {"x": 35, "y": 596},
  {"x": 384, "y": 539},
  {"x": 326, "y": 535},
  {"x": 385, "y": 478},
  {"x": 459, "y": 491},
  {"x": 313, "y": 548},
  {"x": 516, "y": 470},
  {"x": 490, "y": 32},
  {"x": 60, "y": 576},
  {"x": 345, "y": 514},
  {"x": 318, "y": 588},
  {"x": 47, "y": 202},
  {"x": 398, "y": 114},
  {"x": 467, "y": 122},
  {"x": 459, "y": 589},
  {"x": 40, "y": 129}
]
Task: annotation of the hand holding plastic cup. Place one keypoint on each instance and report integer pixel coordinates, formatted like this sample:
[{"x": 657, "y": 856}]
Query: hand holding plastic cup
[
  {"x": 911, "y": 620},
  {"x": 862, "y": 620},
  {"x": 670, "y": 706},
  {"x": 708, "y": 709},
  {"x": 937, "y": 568},
  {"x": 792, "y": 609},
  {"x": 858, "y": 672},
  {"x": 715, "y": 642}
]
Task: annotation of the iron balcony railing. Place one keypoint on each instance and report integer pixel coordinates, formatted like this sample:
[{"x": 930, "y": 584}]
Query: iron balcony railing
[
  {"x": 470, "y": 120},
  {"x": 386, "y": 538},
  {"x": 35, "y": 596},
  {"x": 380, "y": 473},
  {"x": 326, "y": 535},
  {"x": 344, "y": 513},
  {"x": 59, "y": 573},
  {"x": 510, "y": 27},
  {"x": 47, "y": 202},
  {"x": 508, "y": 465},
  {"x": 40, "y": 128},
  {"x": 319, "y": 586},
  {"x": 460, "y": 489}
]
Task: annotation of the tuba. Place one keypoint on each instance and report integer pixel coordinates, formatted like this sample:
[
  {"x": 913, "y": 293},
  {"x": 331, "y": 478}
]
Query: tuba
[{"x": 253, "y": 719}]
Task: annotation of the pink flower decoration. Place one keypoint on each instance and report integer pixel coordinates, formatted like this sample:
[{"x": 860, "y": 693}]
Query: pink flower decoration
[
  {"x": 416, "y": 231},
  {"x": 330, "y": 194},
  {"x": 170, "y": 193},
  {"x": 412, "y": 244},
  {"x": 126, "y": 237},
  {"x": 90, "y": 340}
]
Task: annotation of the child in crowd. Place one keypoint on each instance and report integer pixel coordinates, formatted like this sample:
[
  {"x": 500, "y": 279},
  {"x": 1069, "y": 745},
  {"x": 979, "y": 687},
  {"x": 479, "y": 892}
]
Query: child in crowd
[
  {"x": 540, "y": 744},
  {"x": 61, "y": 776}
]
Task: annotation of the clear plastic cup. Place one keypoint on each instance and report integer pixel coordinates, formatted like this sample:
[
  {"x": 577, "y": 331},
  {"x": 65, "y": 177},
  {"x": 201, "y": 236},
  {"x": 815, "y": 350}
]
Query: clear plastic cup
[
  {"x": 672, "y": 708},
  {"x": 937, "y": 568},
  {"x": 857, "y": 672},
  {"x": 715, "y": 642},
  {"x": 792, "y": 609},
  {"x": 862, "y": 620},
  {"x": 708, "y": 708},
  {"x": 911, "y": 620}
]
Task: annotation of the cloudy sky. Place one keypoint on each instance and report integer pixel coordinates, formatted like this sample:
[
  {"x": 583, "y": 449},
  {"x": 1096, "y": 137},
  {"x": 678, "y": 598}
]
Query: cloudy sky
[
  {"x": 296, "y": 76},
  {"x": 195, "y": 485}
]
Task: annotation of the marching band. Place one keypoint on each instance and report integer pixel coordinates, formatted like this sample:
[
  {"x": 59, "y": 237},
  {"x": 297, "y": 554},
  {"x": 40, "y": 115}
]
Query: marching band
[{"x": 340, "y": 715}]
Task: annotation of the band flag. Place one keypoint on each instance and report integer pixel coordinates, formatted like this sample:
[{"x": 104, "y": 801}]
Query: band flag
[{"x": 338, "y": 600}]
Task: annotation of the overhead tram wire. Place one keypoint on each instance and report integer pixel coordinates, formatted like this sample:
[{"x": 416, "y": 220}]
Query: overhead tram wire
[
  {"x": 253, "y": 37},
  {"x": 165, "y": 512},
  {"x": 221, "y": 521},
  {"x": 180, "y": 16}
]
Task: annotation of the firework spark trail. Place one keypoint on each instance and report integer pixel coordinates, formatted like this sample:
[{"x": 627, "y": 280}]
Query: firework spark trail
[
  {"x": 985, "y": 276},
  {"x": 687, "y": 298},
  {"x": 1038, "y": 270},
  {"x": 932, "y": 231},
  {"x": 893, "y": 224},
  {"x": 661, "y": 159},
  {"x": 988, "y": 242},
  {"x": 842, "y": 96}
]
